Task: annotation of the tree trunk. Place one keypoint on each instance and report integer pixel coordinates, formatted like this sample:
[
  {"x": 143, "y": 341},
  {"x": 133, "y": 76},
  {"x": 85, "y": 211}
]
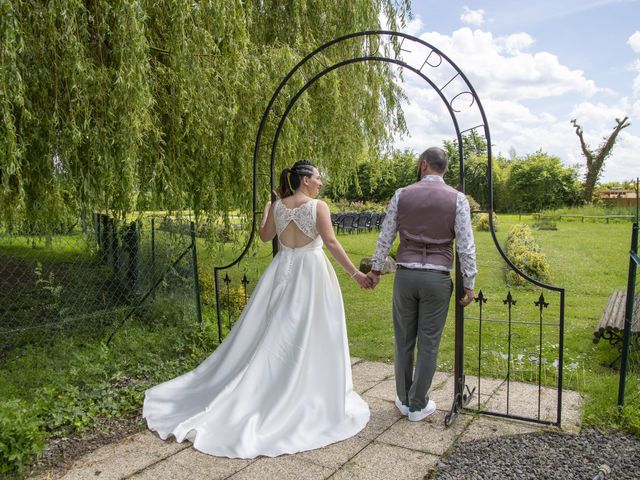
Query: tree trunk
[{"x": 595, "y": 159}]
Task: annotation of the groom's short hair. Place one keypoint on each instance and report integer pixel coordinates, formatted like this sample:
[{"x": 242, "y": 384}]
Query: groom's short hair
[{"x": 436, "y": 158}]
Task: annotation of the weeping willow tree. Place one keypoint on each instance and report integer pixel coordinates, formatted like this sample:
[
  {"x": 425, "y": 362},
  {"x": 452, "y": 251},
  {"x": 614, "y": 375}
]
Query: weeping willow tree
[{"x": 126, "y": 105}]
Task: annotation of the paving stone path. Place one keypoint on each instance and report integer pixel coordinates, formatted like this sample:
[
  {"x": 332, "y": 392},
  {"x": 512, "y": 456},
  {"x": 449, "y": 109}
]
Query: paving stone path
[{"x": 390, "y": 447}]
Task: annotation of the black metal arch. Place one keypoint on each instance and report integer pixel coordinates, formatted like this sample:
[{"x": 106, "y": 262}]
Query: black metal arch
[{"x": 431, "y": 60}]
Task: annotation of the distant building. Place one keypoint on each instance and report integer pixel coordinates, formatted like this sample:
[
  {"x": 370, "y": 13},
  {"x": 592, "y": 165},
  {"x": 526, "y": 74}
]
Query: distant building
[{"x": 617, "y": 196}]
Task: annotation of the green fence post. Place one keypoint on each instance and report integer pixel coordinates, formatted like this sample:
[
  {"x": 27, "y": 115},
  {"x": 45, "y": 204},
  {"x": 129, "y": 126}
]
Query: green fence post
[
  {"x": 196, "y": 279},
  {"x": 153, "y": 255},
  {"x": 133, "y": 247}
]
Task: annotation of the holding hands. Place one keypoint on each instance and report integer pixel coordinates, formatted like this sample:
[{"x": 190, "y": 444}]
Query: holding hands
[
  {"x": 374, "y": 277},
  {"x": 363, "y": 280},
  {"x": 368, "y": 281}
]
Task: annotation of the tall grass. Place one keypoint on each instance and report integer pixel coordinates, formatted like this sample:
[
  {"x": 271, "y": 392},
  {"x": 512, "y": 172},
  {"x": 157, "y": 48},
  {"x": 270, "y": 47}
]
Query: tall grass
[{"x": 595, "y": 210}]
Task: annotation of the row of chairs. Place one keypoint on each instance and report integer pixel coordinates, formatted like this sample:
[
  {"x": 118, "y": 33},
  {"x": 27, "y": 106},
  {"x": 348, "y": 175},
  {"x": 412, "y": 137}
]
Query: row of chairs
[{"x": 357, "y": 222}]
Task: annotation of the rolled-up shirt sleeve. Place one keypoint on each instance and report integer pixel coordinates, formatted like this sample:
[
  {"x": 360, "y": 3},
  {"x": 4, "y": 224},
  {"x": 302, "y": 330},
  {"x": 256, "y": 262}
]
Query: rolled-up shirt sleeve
[
  {"x": 465, "y": 244},
  {"x": 387, "y": 234}
]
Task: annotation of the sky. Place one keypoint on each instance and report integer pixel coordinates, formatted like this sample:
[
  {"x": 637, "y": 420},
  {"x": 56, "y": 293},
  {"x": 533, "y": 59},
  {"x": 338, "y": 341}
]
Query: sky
[{"x": 535, "y": 66}]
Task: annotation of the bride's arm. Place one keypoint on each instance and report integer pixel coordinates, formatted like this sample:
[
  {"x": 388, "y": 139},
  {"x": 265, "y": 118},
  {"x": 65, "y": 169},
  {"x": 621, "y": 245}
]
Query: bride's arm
[
  {"x": 268, "y": 223},
  {"x": 325, "y": 229}
]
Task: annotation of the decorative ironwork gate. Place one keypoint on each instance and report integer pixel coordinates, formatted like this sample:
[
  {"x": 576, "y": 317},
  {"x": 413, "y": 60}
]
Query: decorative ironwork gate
[{"x": 467, "y": 116}]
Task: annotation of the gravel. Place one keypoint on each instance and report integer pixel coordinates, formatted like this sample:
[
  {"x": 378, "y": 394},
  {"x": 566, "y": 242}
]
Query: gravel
[{"x": 545, "y": 455}]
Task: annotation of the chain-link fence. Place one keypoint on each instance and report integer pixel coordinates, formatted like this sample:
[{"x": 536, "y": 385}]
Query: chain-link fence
[{"x": 88, "y": 278}]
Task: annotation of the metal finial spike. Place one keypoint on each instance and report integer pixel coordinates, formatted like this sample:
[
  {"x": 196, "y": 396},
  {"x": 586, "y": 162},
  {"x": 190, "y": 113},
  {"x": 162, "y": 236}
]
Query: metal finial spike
[
  {"x": 541, "y": 303},
  {"x": 481, "y": 298},
  {"x": 226, "y": 279},
  {"x": 509, "y": 300},
  {"x": 245, "y": 280}
]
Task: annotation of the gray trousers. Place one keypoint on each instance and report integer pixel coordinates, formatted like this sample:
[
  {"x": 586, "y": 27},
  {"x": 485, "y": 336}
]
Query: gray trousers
[{"x": 420, "y": 307}]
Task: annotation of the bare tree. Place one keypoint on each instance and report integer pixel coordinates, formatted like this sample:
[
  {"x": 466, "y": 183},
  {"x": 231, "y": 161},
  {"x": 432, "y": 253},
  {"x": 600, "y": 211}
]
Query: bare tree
[{"x": 596, "y": 158}]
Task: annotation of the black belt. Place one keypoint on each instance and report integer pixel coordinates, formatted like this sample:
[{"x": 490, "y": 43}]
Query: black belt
[{"x": 402, "y": 267}]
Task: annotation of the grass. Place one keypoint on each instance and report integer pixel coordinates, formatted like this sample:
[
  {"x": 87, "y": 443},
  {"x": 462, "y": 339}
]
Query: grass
[{"x": 593, "y": 210}]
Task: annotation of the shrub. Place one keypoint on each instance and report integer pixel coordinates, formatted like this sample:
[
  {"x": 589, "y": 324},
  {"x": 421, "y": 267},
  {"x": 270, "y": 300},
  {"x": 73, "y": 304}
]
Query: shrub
[
  {"x": 473, "y": 205},
  {"x": 482, "y": 222},
  {"x": 21, "y": 436},
  {"x": 520, "y": 234},
  {"x": 233, "y": 299},
  {"x": 525, "y": 253}
]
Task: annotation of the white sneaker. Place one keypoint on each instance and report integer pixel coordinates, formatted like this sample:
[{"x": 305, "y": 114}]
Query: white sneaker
[
  {"x": 404, "y": 410},
  {"x": 424, "y": 413}
]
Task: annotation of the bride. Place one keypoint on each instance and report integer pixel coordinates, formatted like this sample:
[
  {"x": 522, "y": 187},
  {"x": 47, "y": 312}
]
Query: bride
[{"x": 280, "y": 382}]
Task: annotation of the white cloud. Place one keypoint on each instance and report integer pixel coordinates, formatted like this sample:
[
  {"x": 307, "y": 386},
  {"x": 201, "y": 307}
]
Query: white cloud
[
  {"x": 472, "y": 17},
  {"x": 516, "y": 43},
  {"x": 634, "y": 42},
  {"x": 414, "y": 26},
  {"x": 599, "y": 117},
  {"x": 503, "y": 72},
  {"x": 521, "y": 92}
]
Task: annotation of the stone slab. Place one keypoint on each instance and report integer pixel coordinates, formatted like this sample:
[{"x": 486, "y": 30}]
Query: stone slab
[
  {"x": 439, "y": 378},
  {"x": 441, "y": 390},
  {"x": 372, "y": 371},
  {"x": 383, "y": 415},
  {"x": 429, "y": 435},
  {"x": 483, "y": 426},
  {"x": 285, "y": 467},
  {"x": 383, "y": 462},
  {"x": 122, "y": 459},
  {"x": 211, "y": 467},
  {"x": 362, "y": 385},
  {"x": 486, "y": 386},
  {"x": 334, "y": 455},
  {"x": 523, "y": 401},
  {"x": 442, "y": 393},
  {"x": 168, "y": 470},
  {"x": 384, "y": 390}
]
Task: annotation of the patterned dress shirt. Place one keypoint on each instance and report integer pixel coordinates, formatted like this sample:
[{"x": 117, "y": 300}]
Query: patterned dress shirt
[{"x": 465, "y": 245}]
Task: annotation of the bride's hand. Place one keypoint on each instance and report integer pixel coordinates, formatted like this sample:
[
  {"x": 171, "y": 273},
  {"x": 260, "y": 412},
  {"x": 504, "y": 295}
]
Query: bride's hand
[{"x": 363, "y": 280}]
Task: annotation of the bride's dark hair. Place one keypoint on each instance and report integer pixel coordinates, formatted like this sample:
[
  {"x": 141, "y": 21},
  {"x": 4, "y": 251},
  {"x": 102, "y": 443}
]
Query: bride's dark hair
[{"x": 291, "y": 178}]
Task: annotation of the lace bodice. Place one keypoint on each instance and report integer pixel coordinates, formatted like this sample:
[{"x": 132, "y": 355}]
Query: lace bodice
[{"x": 303, "y": 216}]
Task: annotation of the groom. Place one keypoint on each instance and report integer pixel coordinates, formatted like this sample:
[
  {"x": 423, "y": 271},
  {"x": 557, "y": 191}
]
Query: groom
[{"x": 428, "y": 215}]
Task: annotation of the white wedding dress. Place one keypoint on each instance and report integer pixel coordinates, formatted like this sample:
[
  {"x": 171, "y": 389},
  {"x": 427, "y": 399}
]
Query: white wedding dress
[{"x": 280, "y": 382}]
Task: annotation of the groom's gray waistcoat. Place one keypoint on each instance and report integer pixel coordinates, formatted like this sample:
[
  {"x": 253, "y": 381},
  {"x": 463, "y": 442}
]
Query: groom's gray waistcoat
[{"x": 426, "y": 221}]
